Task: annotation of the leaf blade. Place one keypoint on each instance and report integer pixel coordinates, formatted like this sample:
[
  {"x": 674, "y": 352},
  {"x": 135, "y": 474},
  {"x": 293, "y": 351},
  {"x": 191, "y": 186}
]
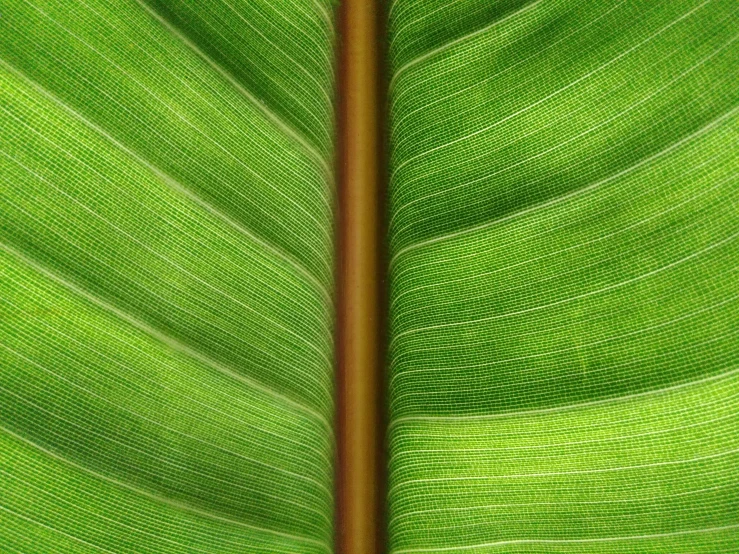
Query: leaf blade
[
  {"x": 563, "y": 234},
  {"x": 166, "y": 252}
]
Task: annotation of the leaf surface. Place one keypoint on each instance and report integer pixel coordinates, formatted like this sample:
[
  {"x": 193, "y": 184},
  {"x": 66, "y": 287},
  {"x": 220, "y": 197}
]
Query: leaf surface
[
  {"x": 563, "y": 232},
  {"x": 166, "y": 252}
]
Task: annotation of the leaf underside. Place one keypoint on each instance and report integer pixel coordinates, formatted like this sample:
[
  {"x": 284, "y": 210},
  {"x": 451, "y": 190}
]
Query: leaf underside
[
  {"x": 564, "y": 204},
  {"x": 564, "y": 318},
  {"x": 166, "y": 259}
]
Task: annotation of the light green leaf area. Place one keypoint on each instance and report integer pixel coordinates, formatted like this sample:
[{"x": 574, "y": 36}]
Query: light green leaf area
[
  {"x": 564, "y": 318},
  {"x": 166, "y": 259}
]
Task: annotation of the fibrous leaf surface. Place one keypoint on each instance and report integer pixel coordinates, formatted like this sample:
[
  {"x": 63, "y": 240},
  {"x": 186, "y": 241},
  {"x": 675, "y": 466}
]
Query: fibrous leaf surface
[
  {"x": 166, "y": 252},
  {"x": 564, "y": 216}
]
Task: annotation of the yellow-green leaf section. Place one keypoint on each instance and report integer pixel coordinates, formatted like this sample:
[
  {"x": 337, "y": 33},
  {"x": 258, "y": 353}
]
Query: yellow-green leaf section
[
  {"x": 564, "y": 238},
  {"x": 166, "y": 260}
]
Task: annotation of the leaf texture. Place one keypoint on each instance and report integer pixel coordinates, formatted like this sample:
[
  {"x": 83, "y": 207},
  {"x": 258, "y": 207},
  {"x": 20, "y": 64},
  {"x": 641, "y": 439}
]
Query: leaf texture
[
  {"x": 564, "y": 216},
  {"x": 166, "y": 252}
]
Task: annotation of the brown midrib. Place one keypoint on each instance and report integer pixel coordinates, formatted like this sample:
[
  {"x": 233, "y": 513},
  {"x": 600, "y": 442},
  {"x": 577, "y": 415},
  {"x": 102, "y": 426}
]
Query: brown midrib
[{"x": 359, "y": 350}]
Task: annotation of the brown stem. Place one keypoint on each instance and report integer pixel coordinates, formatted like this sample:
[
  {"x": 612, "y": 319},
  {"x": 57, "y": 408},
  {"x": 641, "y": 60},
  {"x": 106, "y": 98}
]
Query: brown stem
[{"x": 359, "y": 311}]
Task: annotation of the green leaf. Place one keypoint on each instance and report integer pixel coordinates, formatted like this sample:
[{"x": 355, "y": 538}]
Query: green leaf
[
  {"x": 564, "y": 216},
  {"x": 166, "y": 260}
]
